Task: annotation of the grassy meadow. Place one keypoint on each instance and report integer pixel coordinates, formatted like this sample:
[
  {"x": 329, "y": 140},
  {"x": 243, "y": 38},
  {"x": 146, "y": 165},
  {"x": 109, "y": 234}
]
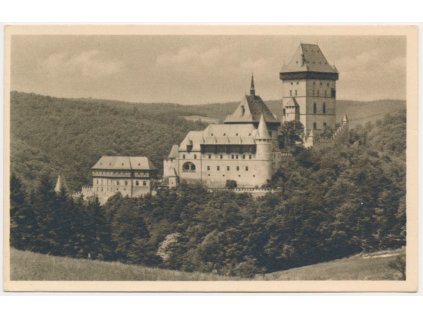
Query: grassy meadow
[
  {"x": 32, "y": 266},
  {"x": 373, "y": 266}
]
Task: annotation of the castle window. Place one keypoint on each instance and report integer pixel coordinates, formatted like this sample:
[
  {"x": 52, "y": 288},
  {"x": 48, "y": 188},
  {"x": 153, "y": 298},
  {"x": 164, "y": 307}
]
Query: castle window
[
  {"x": 314, "y": 126},
  {"x": 297, "y": 83},
  {"x": 314, "y": 83},
  {"x": 232, "y": 156},
  {"x": 218, "y": 168},
  {"x": 320, "y": 83},
  {"x": 243, "y": 156},
  {"x": 318, "y": 92},
  {"x": 183, "y": 156},
  {"x": 137, "y": 183},
  {"x": 208, "y": 167},
  {"x": 224, "y": 134},
  {"x": 327, "y": 84},
  {"x": 237, "y": 168},
  {"x": 195, "y": 156},
  {"x": 188, "y": 167},
  {"x": 221, "y": 156},
  {"x": 117, "y": 182},
  {"x": 209, "y": 156},
  {"x": 290, "y": 93},
  {"x": 324, "y": 108},
  {"x": 249, "y": 156},
  {"x": 126, "y": 182},
  {"x": 324, "y": 125},
  {"x": 295, "y": 92},
  {"x": 333, "y": 93},
  {"x": 144, "y": 183},
  {"x": 314, "y": 108},
  {"x": 284, "y": 112},
  {"x": 292, "y": 83},
  {"x": 236, "y": 156},
  {"x": 228, "y": 168},
  {"x": 246, "y": 168}
]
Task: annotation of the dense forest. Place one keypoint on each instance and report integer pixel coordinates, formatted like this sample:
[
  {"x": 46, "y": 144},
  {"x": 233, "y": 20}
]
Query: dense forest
[
  {"x": 328, "y": 203},
  {"x": 51, "y": 136}
]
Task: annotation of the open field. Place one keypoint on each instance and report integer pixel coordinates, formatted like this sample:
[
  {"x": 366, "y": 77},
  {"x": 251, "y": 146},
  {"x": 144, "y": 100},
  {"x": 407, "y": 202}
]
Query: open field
[
  {"x": 373, "y": 266},
  {"x": 32, "y": 266}
]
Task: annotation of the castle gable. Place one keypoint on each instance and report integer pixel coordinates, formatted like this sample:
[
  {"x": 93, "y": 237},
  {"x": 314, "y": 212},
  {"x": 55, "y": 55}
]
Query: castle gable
[{"x": 249, "y": 111}]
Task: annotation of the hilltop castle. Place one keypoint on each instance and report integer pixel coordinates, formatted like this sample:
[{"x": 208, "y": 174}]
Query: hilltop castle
[{"x": 245, "y": 147}]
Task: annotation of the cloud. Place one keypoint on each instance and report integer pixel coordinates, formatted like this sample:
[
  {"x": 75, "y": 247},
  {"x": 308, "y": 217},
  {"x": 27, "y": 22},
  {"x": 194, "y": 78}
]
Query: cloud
[
  {"x": 195, "y": 55},
  {"x": 87, "y": 64}
]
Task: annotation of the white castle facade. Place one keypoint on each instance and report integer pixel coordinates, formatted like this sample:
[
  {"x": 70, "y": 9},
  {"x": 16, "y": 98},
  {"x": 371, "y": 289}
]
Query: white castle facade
[{"x": 245, "y": 147}]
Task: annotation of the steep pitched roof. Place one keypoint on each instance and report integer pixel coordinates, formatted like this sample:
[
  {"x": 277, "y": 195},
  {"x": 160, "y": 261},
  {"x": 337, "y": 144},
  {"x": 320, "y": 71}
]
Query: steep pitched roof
[
  {"x": 123, "y": 163},
  {"x": 309, "y": 57},
  {"x": 249, "y": 111}
]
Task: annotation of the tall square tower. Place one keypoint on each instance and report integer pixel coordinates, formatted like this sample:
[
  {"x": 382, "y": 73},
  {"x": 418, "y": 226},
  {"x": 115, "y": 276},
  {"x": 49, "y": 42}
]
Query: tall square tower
[{"x": 309, "y": 90}]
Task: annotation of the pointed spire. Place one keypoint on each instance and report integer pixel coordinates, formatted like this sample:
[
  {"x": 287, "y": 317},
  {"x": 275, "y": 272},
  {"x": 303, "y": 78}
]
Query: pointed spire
[
  {"x": 345, "y": 119},
  {"x": 60, "y": 184},
  {"x": 262, "y": 129},
  {"x": 252, "y": 89}
]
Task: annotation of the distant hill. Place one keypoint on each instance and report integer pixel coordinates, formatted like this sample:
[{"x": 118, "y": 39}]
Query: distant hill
[
  {"x": 60, "y": 135},
  {"x": 358, "y": 112}
]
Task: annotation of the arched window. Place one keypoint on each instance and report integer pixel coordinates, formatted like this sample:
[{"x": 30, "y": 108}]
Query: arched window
[
  {"x": 188, "y": 167},
  {"x": 314, "y": 108},
  {"x": 324, "y": 108}
]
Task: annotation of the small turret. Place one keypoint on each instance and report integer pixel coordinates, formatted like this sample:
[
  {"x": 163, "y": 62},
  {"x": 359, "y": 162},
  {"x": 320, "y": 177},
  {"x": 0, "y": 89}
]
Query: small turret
[
  {"x": 345, "y": 120},
  {"x": 263, "y": 133},
  {"x": 60, "y": 184}
]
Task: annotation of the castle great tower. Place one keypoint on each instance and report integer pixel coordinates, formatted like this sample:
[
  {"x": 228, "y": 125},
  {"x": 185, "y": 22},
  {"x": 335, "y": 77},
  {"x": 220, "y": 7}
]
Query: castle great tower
[{"x": 309, "y": 90}]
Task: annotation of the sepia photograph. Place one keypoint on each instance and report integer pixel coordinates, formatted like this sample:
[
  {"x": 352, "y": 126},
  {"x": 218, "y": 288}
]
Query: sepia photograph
[{"x": 210, "y": 158}]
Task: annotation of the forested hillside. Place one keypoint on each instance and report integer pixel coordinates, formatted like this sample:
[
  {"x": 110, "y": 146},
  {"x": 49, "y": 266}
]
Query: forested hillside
[
  {"x": 54, "y": 135},
  {"x": 328, "y": 203}
]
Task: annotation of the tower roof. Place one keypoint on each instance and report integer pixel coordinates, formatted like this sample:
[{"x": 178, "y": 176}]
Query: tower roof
[
  {"x": 345, "y": 119},
  {"x": 309, "y": 58},
  {"x": 263, "y": 133},
  {"x": 173, "y": 152},
  {"x": 60, "y": 184}
]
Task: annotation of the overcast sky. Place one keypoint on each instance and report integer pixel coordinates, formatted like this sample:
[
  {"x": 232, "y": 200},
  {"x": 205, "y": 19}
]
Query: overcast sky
[{"x": 197, "y": 69}]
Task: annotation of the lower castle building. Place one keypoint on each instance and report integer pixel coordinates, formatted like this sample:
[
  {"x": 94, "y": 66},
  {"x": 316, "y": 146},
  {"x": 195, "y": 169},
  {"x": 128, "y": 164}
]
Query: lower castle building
[{"x": 131, "y": 176}]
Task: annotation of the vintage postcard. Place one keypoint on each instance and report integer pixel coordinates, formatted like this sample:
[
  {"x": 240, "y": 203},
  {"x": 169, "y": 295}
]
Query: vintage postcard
[{"x": 212, "y": 158}]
